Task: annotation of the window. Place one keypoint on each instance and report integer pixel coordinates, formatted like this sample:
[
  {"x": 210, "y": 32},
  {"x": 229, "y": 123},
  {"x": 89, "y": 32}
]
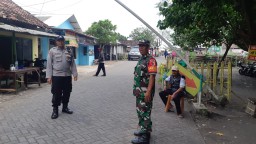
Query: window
[{"x": 24, "y": 49}]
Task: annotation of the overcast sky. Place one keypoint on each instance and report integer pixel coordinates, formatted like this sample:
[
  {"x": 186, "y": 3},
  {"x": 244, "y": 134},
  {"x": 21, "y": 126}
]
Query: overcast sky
[{"x": 89, "y": 11}]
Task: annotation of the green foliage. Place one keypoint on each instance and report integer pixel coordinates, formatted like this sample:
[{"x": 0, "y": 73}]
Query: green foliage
[
  {"x": 143, "y": 33},
  {"x": 197, "y": 22},
  {"x": 121, "y": 37},
  {"x": 104, "y": 30}
]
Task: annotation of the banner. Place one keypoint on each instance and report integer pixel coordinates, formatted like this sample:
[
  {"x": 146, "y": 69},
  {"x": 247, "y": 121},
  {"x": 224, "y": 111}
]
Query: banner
[
  {"x": 252, "y": 53},
  {"x": 192, "y": 82}
]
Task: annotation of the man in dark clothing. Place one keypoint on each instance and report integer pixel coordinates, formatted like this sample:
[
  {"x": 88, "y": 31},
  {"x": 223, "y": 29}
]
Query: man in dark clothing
[
  {"x": 176, "y": 88},
  {"x": 165, "y": 53},
  {"x": 101, "y": 63}
]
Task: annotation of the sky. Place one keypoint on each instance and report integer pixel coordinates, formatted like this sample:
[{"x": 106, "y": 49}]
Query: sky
[{"x": 89, "y": 11}]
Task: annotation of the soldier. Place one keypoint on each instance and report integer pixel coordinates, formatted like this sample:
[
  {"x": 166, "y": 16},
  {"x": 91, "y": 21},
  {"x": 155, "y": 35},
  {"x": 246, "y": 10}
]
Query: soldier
[
  {"x": 144, "y": 89},
  {"x": 60, "y": 67}
]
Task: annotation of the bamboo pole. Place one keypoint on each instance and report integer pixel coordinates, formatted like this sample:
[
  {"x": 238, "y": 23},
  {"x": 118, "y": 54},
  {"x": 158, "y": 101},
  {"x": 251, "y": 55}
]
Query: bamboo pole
[
  {"x": 221, "y": 77},
  {"x": 171, "y": 46}
]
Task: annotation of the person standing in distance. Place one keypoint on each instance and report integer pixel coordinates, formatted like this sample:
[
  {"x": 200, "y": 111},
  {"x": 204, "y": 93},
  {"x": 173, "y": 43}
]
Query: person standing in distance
[
  {"x": 101, "y": 63},
  {"x": 60, "y": 67},
  {"x": 144, "y": 90}
]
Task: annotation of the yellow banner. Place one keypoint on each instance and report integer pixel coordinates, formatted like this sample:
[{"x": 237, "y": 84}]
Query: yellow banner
[
  {"x": 192, "y": 82},
  {"x": 252, "y": 53}
]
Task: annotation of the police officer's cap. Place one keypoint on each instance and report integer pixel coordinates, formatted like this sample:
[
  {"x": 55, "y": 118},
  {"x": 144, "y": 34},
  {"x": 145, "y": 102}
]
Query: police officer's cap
[
  {"x": 144, "y": 42},
  {"x": 60, "y": 38}
]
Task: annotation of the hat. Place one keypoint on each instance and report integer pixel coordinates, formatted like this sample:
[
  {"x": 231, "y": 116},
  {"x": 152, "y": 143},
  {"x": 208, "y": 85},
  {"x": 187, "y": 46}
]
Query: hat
[
  {"x": 60, "y": 38},
  {"x": 144, "y": 42},
  {"x": 175, "y": 68}
]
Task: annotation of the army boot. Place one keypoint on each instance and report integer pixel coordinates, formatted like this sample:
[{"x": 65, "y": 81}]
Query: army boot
[
  {"x": 140, "y": 133},
  {"x": 65, "y": 109},
  {"x": 143, "y": 139},
  {"x": 55, "y": 113}
]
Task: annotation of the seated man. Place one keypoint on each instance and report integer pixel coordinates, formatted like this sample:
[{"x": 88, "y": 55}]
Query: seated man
[{"x": 176, "y": 88}]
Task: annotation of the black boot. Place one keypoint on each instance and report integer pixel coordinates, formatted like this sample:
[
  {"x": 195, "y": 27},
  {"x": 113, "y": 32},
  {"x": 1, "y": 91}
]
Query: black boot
[
  {"x": 65, "y": 109},
  {"x": 143, "y": 139},
  {"x": 140, "y": 133},
  {"x": 55, "y": 113}
]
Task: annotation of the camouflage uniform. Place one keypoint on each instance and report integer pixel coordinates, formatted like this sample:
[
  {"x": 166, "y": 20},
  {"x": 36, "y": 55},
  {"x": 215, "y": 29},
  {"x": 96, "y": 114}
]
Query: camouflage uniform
[{"x": 146, "y": 66}]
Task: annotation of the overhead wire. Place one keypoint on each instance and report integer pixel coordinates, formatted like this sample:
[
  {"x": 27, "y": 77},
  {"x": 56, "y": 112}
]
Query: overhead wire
[
  {"x": 37, "y": 11},
  {"x": 48, "y": 12},
  {"x": 68, "y": 6},
  {"x": 36, "y": 4},
  {"x": 42, "y": 7}
]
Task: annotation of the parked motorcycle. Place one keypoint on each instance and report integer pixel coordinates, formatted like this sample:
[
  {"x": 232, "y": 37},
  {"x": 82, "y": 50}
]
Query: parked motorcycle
[
  {"x": 242, "y": 69},
  {"x": 248, "y": 70},
  {"x": 41, "y": 63}
]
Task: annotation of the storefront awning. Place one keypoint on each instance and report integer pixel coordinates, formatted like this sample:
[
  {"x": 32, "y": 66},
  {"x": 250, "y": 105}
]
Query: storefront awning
[
  {"x": 71, "y": 41},
  {"x": 24, "y": 30}
]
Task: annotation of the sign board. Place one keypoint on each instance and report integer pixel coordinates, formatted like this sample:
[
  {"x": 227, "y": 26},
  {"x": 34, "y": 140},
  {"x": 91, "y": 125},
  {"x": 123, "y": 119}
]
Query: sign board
[
  {"x": 252, "y": 53},
  {"x": 192, "y": 82}
]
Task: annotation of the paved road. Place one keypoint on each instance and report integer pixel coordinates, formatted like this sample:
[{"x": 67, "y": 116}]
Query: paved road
[{"x": 104, "y": 113}]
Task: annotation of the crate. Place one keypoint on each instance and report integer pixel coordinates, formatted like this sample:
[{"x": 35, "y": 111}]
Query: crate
[{"x": 251, "y": 107}]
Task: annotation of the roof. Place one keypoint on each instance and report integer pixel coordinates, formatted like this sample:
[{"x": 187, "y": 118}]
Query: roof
[
  {"x": 130, "y": 43},
  {"x": 13, "y": 14},
  {"x": 79, "y": 33},
  {"x": 57, "y": 20},
  {"x": 24, "y": 30}
]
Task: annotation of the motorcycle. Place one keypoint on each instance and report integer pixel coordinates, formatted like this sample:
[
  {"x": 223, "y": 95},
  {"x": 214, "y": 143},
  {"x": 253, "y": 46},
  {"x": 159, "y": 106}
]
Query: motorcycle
[
  {"x": 41, "y": 63},
  {"x": 253, "y": 70},
  {"x": 242, "y": 69},
  {"x": 248, "y": 70}
]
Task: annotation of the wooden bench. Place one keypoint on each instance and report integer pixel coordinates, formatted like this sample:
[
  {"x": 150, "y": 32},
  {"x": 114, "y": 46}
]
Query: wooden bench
[{"x": 168, "y": 104}]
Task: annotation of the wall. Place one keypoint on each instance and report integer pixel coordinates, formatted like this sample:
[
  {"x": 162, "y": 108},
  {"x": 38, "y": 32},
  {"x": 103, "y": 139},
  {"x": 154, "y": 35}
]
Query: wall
[
  {"x": 91, "y": 57},
  {"x": 44, "y": 47},
  {"x": 120, "y": 49},
  {"x": 66, "y": 25},
  {"x": 88, "y": 58},
  {"x": 32, "y": 37}
]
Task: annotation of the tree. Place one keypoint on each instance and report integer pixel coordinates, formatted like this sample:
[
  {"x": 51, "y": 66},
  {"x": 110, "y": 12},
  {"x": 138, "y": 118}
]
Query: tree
[
  {"x": 104, "y": 30},
  {"x": 197, "y": 22},
  {"x": 121, "y": 37},
  {"x": 141, "y": 33}
]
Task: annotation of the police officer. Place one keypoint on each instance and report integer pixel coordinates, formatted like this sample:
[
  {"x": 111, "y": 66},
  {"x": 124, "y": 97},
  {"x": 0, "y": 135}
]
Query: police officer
[
  {"x": 176, "y": 88},
  {"x": 144, "y": 89},
  {"x": 101, "y": 65},
  {"x": 60, "y": 67}
]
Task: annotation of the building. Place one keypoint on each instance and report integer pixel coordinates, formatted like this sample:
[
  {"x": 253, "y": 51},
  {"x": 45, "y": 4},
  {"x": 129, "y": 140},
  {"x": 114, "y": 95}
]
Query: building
[
  {"x": 81, "y": 44},
  {"x": 22, "y": 36}
]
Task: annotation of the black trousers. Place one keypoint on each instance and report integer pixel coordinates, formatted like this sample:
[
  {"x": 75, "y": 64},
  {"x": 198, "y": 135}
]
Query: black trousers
[
  {"x": 61, "y": 89},
  {"x": 164, "y": 96},
  {"x": 101, "y": 66}
]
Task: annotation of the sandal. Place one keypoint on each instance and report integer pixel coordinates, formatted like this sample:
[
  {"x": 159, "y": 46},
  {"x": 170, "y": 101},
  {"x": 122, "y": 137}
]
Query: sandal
[
  {"x": 171, "y": 109},
  {"x": 180, "y": 116}
]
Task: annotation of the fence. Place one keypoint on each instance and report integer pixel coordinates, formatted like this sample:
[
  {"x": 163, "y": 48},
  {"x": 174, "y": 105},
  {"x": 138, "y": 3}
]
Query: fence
[{"x": 218, "y": 78}]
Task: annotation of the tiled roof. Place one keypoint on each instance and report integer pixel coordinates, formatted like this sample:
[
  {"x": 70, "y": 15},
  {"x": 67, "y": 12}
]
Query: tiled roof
[
  {"x": 130, "y": 43},
  {"x": 11, "y": 13}
]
